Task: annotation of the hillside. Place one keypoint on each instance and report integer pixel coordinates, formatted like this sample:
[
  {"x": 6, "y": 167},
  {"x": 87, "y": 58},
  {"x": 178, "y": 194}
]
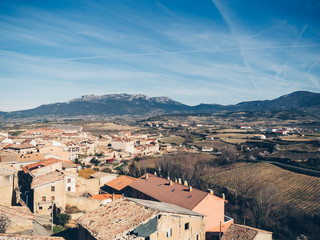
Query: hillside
[
  {"x": 138, "y": 105},
  {"x": 295, "y": 189}
]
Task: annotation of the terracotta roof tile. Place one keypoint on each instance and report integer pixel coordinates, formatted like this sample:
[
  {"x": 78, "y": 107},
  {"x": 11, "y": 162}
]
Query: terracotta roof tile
[
  {"x": 120, "y": 182},
  {"x": 17, "y": 212},
  {"x": 46, "y": 178},
  {"x": 105, "y": 196},
  {"x": 27, "y": 237},
  {"x": 242, "y": 232},
  {"x": 42, "y": 163},
  {"x": 178, "y": 194},
  {"x": 113, "y": 220}
]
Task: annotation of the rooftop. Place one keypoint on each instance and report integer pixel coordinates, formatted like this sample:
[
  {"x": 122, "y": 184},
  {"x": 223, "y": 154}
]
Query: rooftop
[
  {"x": 99, "y": 174},
  {"x": 16, "y": 212},
  {"x": 105, "y": 196},
  {"x": 115, "y": 219},
  {"x": 242, "y": 232},
  {"x": 165, "y": 207},
  {"x": 124, "y": 215},
  {"x": 42, "y": 163},
  {"x": 46, "y": 178},
  {"x": 27, "y": 237},
  {"x": 120, "y": 182},
  {"x": 160, "y": 189}
]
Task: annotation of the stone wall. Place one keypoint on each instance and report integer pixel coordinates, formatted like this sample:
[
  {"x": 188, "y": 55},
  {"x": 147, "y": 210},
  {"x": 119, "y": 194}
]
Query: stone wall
[{"x": 82, "y": 203}]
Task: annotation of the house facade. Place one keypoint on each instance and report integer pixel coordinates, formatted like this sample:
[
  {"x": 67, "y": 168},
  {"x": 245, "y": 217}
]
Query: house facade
[{"x": 127, "y": 218}]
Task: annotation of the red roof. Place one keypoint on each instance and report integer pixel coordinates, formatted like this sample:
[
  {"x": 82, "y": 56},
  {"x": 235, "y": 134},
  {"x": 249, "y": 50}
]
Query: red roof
[
  {"x": 42, "y": 163},
  {"x": 120, "y": 182},
  {"x": 177, "y": 194}
]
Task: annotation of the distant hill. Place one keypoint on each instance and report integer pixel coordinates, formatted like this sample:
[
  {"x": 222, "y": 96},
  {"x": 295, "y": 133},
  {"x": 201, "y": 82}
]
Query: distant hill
[{"x": 140, "y": 105}]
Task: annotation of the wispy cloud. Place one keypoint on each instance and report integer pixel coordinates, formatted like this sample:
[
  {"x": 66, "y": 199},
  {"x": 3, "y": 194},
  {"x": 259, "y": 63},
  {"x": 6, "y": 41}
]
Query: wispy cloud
[{"x": 160, "y": 51}]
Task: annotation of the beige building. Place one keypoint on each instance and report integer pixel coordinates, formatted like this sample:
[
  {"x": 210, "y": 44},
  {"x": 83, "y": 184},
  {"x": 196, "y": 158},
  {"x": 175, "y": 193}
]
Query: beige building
[
  {"x": 131, "y": 218},
  {"x": 52, "y": 151},
  {"x": 48, "y": 190},
  {"x": 8, "y": 183}
]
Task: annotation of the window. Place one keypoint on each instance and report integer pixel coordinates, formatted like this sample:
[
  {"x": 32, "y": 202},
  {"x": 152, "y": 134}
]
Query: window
[
  {"x": 53, "y": 188},
  {"x": 44, "y": 198},
  {"x": 69, "y": 189},
  {"x": 53, "y": 198},
  {"x": 186, "y": 226},
  {"x": 198, "y": 237},
  {"x": 40, "y": 207},
  {"x": 7, "y": 179},
  {"x": 169, "y": 232},
  {"x": 69, "y": 180},
  {"x": 147, "y": 238}
]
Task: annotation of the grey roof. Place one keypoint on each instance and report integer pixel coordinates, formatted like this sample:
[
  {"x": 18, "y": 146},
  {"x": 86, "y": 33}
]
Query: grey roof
[{"x": 165, "y": 207}]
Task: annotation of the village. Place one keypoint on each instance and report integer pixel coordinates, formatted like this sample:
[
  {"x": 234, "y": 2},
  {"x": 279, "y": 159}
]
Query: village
[
  {"x": 41, "y": 185},
  {"x": 64, "y": 179}
]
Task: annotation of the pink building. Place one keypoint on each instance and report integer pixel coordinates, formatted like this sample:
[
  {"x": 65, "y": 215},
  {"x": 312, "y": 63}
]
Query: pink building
[{"x": 151, "y": 187}]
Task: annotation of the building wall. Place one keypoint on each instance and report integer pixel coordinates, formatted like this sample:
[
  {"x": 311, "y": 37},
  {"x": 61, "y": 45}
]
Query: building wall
[
  {"x": 55, "y": 152},
  {"x": 176, "y": 225},
  {"x": 82, "y": 203},
  {"x": 47, "y": 169},
  {"x": 263, "y": 236},
  {"x": 70, "y": 183},
  {"x": 59, "y": 195},
  {"x": 88, "y": 185},
  {"x": 6, "y": 189},
  {"x": 107, "y": 178},
  {"x": 213, "y": 208}
]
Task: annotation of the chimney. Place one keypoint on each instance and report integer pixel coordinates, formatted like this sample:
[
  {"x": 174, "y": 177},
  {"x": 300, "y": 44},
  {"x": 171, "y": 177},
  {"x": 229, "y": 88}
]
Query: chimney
[
  {"x": 223, "y": 197},
  {"x": 179, "y": 180},
  {"x": 185, "y": 183},
  {"x": 147, "y": 176},
  {"x": 210, "y": 191},
  {"x": 112, "y": 197},
  {"x": 190, "y": 188},
  {"x": 175, "y": 180},
  {"x": 168, "y": 178},
  {"x": 155, "y": 173},
  {"x": 170, "y": 183}
]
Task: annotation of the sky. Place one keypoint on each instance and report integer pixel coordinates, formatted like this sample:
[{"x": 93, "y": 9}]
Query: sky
[{"x": 193, "y": 51}]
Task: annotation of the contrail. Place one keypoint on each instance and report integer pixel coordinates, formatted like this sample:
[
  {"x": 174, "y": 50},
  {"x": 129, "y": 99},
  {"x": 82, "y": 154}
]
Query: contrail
[{"x": 189, "y": 51}]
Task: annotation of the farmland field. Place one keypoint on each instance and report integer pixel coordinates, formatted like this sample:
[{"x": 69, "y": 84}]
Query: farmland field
[{"x": 299, "y": 190}]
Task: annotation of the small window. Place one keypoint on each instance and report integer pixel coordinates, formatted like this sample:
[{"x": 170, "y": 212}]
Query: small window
[
  {"x": 40, "y": 207},
  {"x": 69, "y": 180},
  {"x": 44, "y": 198},
  {"x": 198, "y": 237},
  {"x": 53, "y": 198},
  {"x": 147, "y": 238},
  {"x": 69, "y": 189},
  {"x": 169, "y": 232},
  {"x": 53, "y": 188},
  {"x": 186, "y": 226},
  {"x": 7, "y": 179}
]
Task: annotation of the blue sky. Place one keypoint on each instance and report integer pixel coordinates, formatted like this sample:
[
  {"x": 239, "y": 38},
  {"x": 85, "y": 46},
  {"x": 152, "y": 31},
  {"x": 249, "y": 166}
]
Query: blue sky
[{"x": 203, "y": 51}]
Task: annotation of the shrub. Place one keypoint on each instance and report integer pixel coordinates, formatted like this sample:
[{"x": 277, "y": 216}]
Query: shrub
[{"x": 61, "y": 219}]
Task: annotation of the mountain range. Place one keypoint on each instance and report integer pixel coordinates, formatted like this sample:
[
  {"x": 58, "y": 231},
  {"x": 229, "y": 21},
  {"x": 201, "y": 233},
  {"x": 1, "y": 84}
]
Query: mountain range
[{"x": 140, "y": 105}]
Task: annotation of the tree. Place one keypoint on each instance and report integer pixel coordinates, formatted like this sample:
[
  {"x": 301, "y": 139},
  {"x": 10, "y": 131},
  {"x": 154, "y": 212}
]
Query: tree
[
  {"x": 94, "y": 161},
  {"x": 229, "y": 154},
  {"x": 134, "y": 170},
  {"x": 61, "y": 219}
]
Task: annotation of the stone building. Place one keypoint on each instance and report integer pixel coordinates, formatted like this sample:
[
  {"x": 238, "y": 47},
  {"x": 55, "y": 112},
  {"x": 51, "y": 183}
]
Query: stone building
[{"x": 128, "y": 218}]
